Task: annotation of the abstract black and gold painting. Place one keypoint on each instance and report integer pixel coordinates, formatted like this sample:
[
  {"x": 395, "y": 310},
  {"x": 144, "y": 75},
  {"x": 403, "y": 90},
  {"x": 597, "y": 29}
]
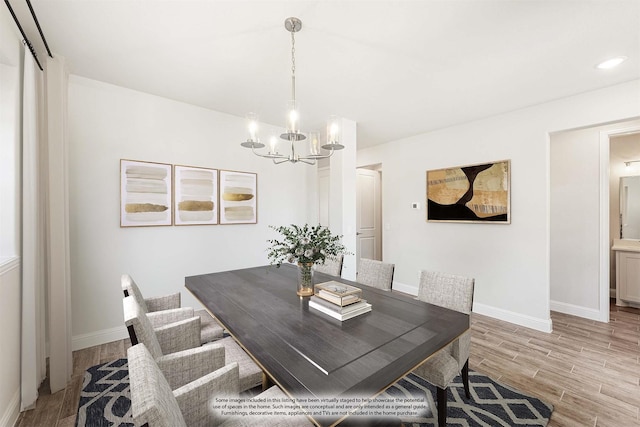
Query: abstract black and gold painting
[
  {"x": 474, "y": 193},
  {"x": 145, "y": 193},
  {"x": 195, "y": 195}
]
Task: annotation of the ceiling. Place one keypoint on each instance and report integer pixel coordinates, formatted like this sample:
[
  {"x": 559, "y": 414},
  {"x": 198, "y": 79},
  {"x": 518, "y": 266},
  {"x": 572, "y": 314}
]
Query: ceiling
[{"x": 397, "y": 68}]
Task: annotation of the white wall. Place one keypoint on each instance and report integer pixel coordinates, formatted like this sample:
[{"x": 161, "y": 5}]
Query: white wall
[
  {"x": 10, "y": 133},
  {"x": 108, "y": 123},
  {"x": 10, "y": 136},
  {"x": 10, "y": 348},
  {"x": 10, "y": 171},
  {"x": 509, "y": 262}
]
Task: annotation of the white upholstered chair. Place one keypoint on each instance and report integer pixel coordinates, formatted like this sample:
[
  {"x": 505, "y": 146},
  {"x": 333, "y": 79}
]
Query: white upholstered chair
[
  {"x": 375, "y": 273},
  {"x": 332, "y": 265},
  {"x": 177, "y": 339},
  {"x": 154, "y": 403},
  {"x": 455, "y": 293},
  {"x": 166, "y": 309}
]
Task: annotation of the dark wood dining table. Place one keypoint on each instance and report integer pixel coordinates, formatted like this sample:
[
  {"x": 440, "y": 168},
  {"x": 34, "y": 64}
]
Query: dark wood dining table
[{"x": 311, "y": 355}]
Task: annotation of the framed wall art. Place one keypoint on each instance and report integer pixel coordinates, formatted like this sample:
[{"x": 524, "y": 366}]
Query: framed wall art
[
  {"x": 474, "y": 193},
  {"x": 195, "y": 195},
  {"x": 238, "y": 197},
  {"x": 145, "y": 194}
]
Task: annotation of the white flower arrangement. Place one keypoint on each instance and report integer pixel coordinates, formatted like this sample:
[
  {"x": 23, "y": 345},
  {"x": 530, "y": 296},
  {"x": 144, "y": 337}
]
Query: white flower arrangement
[{"x": 304, "y": 244}]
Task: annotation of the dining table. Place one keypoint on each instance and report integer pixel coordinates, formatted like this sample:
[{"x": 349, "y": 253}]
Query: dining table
[{"x": 315, "y": 358}]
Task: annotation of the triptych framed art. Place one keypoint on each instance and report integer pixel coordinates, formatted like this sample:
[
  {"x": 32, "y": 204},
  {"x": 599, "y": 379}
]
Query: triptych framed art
[{"x": 157, "y": 194}]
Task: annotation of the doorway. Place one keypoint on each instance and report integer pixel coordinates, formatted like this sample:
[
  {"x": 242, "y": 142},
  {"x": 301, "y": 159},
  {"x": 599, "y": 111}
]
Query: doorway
[
  {"x": 580, "y": 214},
  {"x": 368, "y": 213},
  {"x": 623, "y": 146}
]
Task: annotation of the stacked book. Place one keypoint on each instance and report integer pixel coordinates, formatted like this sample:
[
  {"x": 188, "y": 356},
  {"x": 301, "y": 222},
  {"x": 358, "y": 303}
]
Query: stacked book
[{"x": 339, "y": 300}]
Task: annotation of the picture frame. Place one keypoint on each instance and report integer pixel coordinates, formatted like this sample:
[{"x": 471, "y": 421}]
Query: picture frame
[
  {"x": 479, "y": 193},
  {"x": 195, "y": 195},
  {"x": 145, "y": 194},
  {"x": 238, "y": 195}
]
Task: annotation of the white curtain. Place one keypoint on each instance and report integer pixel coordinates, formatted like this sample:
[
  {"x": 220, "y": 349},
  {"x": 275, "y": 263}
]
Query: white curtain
[
  {"x": 33, "y": 366},
  {"x": 46, "y": 291},
  {"x": 58, "y": 272}
]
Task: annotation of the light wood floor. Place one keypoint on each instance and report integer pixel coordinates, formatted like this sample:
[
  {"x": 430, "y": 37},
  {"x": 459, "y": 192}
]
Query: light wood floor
[{"x": 589, "y": 371}]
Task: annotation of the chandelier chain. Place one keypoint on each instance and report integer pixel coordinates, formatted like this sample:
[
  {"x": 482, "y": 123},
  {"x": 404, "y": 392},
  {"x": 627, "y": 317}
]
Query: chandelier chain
[{"x": 293, "y": 65}]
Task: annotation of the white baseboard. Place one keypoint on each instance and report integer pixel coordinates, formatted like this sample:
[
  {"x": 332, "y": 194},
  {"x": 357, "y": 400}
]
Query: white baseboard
[
  {"x": 543, "y": 325},
  {"x": 576, "y": 310},
  {"x": 10, "y": 416},
  {"x": 104, "y": 336},
  {"x": 407, "y": 289}
]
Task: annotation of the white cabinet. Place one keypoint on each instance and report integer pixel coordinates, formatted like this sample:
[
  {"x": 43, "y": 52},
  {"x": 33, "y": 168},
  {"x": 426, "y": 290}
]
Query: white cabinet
[{"x": 627, "y": 272}]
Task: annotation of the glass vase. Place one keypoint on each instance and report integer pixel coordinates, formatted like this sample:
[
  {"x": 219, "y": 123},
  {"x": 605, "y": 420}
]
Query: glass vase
[{"x": 305, "y": 279}]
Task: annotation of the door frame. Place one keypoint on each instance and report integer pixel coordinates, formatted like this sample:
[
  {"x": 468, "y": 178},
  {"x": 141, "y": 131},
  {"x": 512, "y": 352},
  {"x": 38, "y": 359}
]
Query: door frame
[{"x": 605, "y": 250}]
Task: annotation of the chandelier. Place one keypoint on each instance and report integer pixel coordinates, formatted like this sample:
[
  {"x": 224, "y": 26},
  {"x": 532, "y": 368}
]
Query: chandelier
[{"x": 293, "y": 134}]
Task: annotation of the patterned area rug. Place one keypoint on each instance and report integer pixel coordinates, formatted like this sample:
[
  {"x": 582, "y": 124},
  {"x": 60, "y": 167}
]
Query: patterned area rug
[
  {"x": 104, "y": 401},
  {"x": 492, "y": 404}
]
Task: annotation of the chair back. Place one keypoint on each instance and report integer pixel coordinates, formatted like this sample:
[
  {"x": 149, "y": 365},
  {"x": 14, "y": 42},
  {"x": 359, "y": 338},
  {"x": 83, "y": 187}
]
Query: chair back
[
  {"x": 130, "y": 288},
  {"x": 447, "y": 290},
  {"x": 139, "y": 327},
  {"x": 375, "y": 273},
  {"x": 332, "y": 265},
  {"x": 152, "y": 400}
]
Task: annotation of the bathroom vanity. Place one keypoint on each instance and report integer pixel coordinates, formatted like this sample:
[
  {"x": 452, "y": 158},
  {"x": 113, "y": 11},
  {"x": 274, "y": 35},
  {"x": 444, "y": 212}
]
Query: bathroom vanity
[{"x": 627, "y": 272}]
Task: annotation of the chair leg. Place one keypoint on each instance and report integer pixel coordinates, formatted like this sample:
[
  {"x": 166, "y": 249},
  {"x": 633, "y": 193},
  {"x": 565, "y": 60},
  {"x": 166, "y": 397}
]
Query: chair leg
[
  {"x": 442, "y": 406},
  {"x": 465, "y": 379}
]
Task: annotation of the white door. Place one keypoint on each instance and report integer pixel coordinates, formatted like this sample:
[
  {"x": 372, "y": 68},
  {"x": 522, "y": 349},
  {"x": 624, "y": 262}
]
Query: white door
[{"x": 368, "y": 213}]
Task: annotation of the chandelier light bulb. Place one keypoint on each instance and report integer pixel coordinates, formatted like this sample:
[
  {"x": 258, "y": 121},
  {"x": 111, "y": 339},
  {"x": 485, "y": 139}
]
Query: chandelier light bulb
[
  {"x": 314, "y": 137},
  {"x": 253, "y": 141},
  {"x": 253, "y": 129},
  {"x": 333, "y": 134},
  {"x": 333, "y": 131},
  {"x": 272, "y": 143},
  {"x": 293, "y": 120}
]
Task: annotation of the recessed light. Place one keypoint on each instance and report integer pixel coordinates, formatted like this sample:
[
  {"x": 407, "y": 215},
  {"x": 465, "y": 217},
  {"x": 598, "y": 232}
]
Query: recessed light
[{"x": 611, "y": 63}]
